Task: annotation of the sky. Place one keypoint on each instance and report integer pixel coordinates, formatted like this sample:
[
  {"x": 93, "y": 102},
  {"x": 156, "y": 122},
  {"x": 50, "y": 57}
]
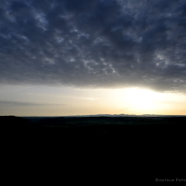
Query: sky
[{"x": 82, "y": 57}]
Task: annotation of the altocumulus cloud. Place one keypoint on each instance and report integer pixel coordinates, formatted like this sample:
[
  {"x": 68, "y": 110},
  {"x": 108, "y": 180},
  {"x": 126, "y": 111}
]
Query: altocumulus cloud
[{"x": 99, "y": 43}]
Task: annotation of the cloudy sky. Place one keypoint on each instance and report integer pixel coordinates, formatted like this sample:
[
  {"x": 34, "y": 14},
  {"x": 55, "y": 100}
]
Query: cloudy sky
[{"x": 75, "y": 57}]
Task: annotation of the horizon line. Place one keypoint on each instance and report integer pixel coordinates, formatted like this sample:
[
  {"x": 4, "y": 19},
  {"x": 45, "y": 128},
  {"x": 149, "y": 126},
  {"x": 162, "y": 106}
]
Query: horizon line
[{"x": 107, "y": 115}]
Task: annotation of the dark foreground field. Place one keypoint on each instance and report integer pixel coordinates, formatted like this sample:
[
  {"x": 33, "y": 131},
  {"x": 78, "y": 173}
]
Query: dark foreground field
[{"x": 93, "y": 150}]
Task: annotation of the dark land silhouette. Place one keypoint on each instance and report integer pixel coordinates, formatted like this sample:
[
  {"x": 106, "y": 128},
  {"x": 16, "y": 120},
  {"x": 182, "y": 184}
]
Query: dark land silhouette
[{"x": 83, "y": 149}]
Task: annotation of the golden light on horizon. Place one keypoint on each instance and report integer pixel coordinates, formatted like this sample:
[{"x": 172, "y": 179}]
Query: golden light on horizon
[
  {"x": 65, "y": 101},
  {"x": 142, "y": 99},
  {"x": 146, "y": 101}
]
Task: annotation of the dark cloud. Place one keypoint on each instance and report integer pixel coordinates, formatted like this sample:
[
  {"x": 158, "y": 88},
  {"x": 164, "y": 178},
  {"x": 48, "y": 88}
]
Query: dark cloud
[
  {"x": 100, "y": 43},
  {"x": 19, "y": 103}
]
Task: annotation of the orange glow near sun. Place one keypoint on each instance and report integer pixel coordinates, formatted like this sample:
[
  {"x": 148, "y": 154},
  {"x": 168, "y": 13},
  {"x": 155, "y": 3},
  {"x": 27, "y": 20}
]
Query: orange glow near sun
[{"x": 146, "y": 101}]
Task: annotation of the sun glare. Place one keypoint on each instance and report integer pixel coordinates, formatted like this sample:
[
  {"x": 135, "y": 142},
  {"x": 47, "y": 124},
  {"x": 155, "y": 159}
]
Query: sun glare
[{"x": 139, "y": 100}]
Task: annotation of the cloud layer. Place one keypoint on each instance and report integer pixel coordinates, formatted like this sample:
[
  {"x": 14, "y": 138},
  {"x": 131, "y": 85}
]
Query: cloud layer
[
  {"x": 100, "y": 43},
  {"x": 18, "y": 103}
]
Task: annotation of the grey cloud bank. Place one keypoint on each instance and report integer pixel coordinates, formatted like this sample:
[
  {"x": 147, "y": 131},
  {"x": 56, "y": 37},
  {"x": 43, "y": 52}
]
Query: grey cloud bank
[
  {"x": 18, "y": 103},
  {"x": 100, "y": 43}
]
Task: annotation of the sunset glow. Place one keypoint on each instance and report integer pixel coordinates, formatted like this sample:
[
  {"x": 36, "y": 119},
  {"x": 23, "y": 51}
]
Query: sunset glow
[
  {"x": 79, "y": 57},
  {"x": 64, "y": 101}
]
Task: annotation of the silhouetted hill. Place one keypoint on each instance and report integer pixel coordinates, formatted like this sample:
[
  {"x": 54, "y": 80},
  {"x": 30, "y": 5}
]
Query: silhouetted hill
[{"x": 144, "y": 148}]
